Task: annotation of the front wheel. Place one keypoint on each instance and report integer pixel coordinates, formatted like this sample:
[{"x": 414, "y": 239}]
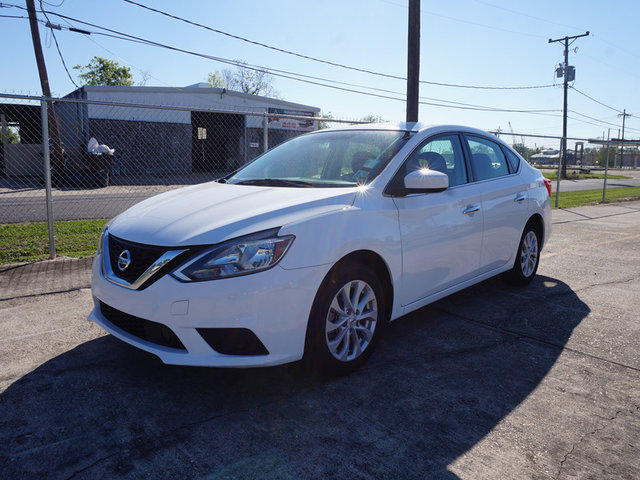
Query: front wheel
[
  {"x": 346, "y": 318},
  {"x": 528, "y": 258}
]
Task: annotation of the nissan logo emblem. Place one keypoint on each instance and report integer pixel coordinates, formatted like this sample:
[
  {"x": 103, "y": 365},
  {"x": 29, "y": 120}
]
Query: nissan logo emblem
[{"x": 124, "y": 260}]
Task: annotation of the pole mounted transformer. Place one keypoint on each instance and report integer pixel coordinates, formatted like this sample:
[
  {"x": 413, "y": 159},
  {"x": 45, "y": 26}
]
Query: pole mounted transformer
[{"x": 569, "y": 74}]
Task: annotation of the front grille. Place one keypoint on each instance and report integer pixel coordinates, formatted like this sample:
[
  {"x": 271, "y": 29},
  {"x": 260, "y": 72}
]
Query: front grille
[
  {"x": 141, "y": 257},
  {"x": 153, "y": 332}
]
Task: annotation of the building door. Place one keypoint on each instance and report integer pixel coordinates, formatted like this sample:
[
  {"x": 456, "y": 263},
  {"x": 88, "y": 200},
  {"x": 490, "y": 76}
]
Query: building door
[{"x": 217, "y": 142}]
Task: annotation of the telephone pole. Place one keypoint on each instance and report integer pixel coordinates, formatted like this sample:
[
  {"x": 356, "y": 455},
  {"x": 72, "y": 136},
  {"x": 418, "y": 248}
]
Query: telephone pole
[
  {"x": 413, "y": 60},
  {"x": 624, "y": 115},
  {"x": 563, "y": 160},
  {"x": 58, "y": 159}
]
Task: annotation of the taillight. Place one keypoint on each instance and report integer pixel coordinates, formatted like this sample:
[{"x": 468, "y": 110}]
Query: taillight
[{"x": 547, "y": 183}]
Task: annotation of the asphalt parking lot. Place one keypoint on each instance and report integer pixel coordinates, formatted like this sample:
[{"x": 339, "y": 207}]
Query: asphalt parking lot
[{"x": 494, "y": 382}]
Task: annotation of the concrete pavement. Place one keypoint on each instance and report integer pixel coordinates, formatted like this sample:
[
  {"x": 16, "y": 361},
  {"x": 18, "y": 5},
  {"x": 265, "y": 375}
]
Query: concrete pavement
[{"x": 494, "y": 382}]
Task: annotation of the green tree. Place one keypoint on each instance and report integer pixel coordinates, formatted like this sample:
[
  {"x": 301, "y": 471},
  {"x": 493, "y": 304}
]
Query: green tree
[
  {"x": 101, "y": 71},
  {"x": 12, "y": 136},
  {"x": 216, "y": 80}
]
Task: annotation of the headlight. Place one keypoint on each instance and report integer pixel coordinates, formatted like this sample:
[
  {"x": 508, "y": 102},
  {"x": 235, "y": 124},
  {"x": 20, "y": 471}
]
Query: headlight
[
  {"x": 103, "y": 235},
  {"x": 238, "y": 257}
]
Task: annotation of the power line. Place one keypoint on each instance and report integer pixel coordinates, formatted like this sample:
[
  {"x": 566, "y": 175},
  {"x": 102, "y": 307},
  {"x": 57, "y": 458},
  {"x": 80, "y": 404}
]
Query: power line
[
  {"x": 628, "y": 52},
  {"x": 396, "y": 77},
  {"x": 527, "y": 15},
  {"x": 392, "y": 92},
  {"x": 327, "y": 62},
  {"x": 477, "y": 24},
  {"x": 593, "y": 35},
  {"x": 602, "y": 121},
  {"x": 291, "y": 75},
  {"x": 64, "y": 64},
  {"x": 306, "y": 78},
  {"x": 595, "y": 119},
  {"x": 566, "y": 69},
  {"x": 594, "y": 100}
]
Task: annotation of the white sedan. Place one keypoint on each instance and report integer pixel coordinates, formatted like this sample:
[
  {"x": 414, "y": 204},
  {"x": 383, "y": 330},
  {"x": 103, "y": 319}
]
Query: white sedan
[{"x": 309, "y": 250}]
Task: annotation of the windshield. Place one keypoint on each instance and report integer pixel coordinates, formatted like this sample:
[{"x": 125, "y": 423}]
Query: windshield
[{"x": 326, "y": 159}]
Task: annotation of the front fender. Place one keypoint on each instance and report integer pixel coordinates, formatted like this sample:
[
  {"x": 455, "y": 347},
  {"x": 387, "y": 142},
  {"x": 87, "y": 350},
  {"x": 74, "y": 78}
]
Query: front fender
[{"x": 325, "y": 239}]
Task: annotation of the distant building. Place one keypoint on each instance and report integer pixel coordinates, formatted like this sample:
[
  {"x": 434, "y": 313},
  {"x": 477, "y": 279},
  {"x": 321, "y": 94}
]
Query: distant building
[
  {"x": 551, "y": 157},
  {"x": 179, "y": 140}
]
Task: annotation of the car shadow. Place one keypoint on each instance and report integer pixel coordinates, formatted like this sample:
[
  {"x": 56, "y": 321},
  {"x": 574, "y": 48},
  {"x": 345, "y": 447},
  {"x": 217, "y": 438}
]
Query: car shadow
[{"x": 441, "y": 380}]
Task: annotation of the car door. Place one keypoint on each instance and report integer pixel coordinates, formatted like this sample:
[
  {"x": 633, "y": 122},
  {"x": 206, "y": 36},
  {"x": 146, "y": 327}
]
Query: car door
[
  {"x": 504, "y": 202},
  {"x": 441, "y": 232}
]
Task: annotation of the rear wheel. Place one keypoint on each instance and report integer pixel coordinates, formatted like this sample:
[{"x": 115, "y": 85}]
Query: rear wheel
[
  {"x": 528, "y": 258},
  {"x": 345, "y": 322}
]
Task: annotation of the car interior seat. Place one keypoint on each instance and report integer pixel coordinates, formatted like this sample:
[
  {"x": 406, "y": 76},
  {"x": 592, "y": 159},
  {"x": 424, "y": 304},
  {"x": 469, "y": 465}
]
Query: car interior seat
[{"x": 483, "y": 166}]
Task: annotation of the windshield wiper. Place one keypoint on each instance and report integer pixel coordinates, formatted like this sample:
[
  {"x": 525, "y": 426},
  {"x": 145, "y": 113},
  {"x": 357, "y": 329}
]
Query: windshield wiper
[{"x": 275, "y": 182}]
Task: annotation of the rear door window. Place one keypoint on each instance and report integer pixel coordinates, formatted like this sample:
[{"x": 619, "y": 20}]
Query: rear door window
[
  {"x": 513, "y": 159},
  {"x": 487, "y": 159}
]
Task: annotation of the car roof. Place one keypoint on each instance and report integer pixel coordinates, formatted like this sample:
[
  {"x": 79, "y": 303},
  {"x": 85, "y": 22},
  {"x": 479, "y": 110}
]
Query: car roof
[{"x": 414, "y": 127}]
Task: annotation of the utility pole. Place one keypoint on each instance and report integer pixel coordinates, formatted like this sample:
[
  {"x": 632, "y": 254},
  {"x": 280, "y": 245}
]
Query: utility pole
[
  {"x": 566, "y": 88},
  {"x": 624, "y": 115},
  {"x": 58, "y": 159},
  {"x": 413, "y": 60}
]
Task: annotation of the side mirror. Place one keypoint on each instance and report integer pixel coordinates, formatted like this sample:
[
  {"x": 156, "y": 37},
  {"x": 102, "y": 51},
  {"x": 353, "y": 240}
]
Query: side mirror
[{"x": 426, "y": 181}]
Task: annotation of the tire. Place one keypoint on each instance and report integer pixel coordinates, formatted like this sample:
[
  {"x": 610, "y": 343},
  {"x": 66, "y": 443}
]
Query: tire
[
  {"x": 346, "y": 320},
  {"x": 528, "y": 258}
]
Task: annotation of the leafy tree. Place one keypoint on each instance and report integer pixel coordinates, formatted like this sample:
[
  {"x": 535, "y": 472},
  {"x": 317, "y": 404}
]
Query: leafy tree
[
  {"x": 245, "y": 80},
  {"x": 216, "y": 80},
  {"x": 525, "y": 151},
  {"x": 12, "y": 136},
  {"x": 101, "y": 71}
]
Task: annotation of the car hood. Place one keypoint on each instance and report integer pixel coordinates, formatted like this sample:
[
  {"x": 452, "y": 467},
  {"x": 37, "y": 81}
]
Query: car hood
[{"x": 212, "y": 212}]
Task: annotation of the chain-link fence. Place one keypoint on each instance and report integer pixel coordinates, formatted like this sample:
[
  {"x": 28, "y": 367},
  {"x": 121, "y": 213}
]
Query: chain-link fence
[
  {"x": 111, "y": 155},
  {"x": 582, "y": 153},
  {"x": 588, "y": 163}
]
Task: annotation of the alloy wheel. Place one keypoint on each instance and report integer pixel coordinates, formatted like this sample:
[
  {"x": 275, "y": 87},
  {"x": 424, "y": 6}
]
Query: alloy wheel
[
  {"x": 351, "y": 320},
  {"x": 529, "y": 254}
]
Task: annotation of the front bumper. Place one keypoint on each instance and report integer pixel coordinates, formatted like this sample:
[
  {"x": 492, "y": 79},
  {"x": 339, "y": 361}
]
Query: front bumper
[{"x": 273, "y": 304}]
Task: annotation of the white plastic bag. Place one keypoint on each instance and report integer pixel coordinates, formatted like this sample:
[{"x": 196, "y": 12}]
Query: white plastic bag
[
  {"x": 104, "y": 149},
  {"x": 92, "y": 146}
]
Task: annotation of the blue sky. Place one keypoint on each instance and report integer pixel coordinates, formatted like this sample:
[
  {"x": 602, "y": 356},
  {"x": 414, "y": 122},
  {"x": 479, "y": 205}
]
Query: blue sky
[{"x": 468, "y": 42}]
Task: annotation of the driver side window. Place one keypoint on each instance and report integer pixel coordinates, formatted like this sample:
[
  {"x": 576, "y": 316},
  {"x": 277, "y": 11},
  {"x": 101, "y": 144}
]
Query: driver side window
[{"x": 443, "y": 154}]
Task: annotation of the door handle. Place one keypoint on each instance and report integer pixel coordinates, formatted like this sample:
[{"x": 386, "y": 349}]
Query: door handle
[
  {"x": 519, "y": 198},
  {"x": 471, "y": 209}
]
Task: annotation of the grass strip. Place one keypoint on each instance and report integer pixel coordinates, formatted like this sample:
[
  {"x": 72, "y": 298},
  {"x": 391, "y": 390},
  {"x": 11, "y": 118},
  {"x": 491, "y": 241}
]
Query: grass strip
[
  {"x": 25, "y": 242},
  {"x": 583, "y": 176},
  {"x": 591, "y": 197}
]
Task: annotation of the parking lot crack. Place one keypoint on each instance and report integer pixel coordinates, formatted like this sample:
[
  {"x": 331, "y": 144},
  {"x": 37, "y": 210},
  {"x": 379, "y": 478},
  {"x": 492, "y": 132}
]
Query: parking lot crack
[
  {"x": 224, "y": 414},
  {"x": 539, "y": 341},
  {"x": 88, "y": 467},
  {"x": 595, "y": 431},
  {"x": 612, "y": 282}
]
